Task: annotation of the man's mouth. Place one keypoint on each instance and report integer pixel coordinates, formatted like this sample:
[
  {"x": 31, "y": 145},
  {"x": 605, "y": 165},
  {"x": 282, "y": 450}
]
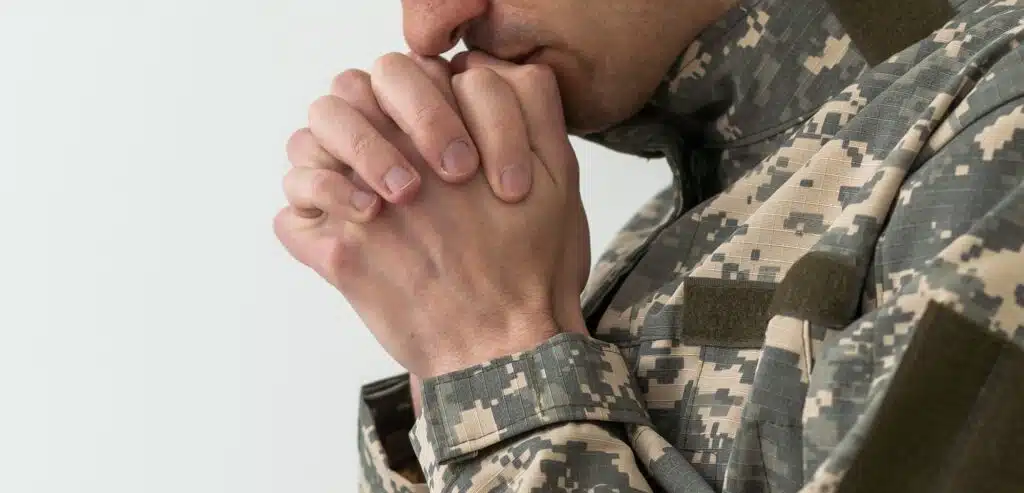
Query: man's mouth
[
  {"x": 525, "y": 57},
  {"x": 521, "y": 58}
]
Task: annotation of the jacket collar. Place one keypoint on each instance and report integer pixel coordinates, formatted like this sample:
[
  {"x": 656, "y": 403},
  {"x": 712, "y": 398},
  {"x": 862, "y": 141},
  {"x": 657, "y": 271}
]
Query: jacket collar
[{"x": 759, "y": 70}]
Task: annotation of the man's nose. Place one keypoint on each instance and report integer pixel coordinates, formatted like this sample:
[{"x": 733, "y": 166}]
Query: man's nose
[{"x": 433, "y": 27}]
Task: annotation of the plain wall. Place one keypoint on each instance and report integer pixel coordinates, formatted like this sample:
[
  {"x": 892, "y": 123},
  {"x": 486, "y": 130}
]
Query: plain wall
[{"x": 154, "y": 336}]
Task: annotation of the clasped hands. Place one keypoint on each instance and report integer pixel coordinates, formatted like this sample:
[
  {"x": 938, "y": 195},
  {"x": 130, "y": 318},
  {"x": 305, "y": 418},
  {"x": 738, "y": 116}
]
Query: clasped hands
[{"x": 442, "y": 200}]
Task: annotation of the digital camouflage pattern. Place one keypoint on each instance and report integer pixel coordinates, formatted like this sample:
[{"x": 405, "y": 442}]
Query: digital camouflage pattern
[{"x": 829, "y": 298}]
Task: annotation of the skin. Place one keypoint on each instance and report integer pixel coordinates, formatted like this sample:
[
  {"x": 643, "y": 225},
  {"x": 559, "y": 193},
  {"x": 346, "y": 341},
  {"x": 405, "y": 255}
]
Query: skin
[
  {"x": 459, "y": 277},
  {"x": 385, "y": 177},
  {"x": 607, "y": 56}
]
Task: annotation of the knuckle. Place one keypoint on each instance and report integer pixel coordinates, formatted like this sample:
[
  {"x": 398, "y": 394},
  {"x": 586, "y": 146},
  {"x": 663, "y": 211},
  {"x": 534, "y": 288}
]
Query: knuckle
[
  {"x": 389, "y": 61},
  {"x": 291, "y": 181},
  {"x": 362, "y": 144},
  {"x": 297, "y": 142},
  {"x": 534, "y": 74},
  {"x": 356, "y": 216},
  {"x": 288, "y": 233},
  {"x": 478, "y": 77},
  {"x": 362, "y": 216},
  {"x": 342, "y": 257},
  {"x": 435, "y": 65},
  {"x": 428, "y": 116},
  {"x": 323, "y": 108},
  {"x": 320, "y": 183},
  {"x": 352, "y": 82},
  {"x": 459, "y": 83},
  {"x": 280, "y": 225}
]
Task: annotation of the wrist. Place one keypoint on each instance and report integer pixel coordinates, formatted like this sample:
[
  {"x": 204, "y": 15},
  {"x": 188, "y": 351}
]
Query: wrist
[{"x": 490, "y": 342}]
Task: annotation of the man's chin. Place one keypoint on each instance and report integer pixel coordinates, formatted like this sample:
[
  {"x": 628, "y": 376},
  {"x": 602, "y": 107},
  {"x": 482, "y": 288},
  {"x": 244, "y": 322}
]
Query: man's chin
[{"x": 581, "y": 123}]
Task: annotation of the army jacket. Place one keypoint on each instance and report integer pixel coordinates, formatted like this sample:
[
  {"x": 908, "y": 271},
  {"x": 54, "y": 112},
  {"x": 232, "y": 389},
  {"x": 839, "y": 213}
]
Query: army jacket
[{"x": 829, "y": 297}]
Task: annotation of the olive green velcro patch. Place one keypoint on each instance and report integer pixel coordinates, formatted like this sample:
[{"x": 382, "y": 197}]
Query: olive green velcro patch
[
  {"x": 952, "y": 419},
  {"x": 881, "y": 28},
  {"x": 726, "y": 312},
  {"x": 822, "y": 288}
]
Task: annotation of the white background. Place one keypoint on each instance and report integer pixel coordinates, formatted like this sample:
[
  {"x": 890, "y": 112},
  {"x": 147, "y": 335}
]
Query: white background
[{"x": 154, "y": 337}]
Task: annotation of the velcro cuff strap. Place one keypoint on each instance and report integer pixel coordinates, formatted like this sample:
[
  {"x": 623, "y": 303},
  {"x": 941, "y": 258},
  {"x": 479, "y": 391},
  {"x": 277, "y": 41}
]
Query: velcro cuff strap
[{"x": 571, "y": 377}]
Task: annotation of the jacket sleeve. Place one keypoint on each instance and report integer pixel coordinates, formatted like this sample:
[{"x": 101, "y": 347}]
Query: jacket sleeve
[
  {"x": 547, "y": 419},
  {"x": 386, "y": 459}
]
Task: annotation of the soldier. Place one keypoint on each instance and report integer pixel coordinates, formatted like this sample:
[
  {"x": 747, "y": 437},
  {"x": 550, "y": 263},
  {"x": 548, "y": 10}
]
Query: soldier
[{"x": 828, "y": 298}]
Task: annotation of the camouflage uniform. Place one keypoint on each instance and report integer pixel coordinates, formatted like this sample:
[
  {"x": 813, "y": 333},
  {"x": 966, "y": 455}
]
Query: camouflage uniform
[{"x": 829, "y": 298}]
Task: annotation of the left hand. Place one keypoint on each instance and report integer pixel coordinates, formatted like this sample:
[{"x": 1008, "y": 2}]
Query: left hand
[{"x": 459, "y": 277}]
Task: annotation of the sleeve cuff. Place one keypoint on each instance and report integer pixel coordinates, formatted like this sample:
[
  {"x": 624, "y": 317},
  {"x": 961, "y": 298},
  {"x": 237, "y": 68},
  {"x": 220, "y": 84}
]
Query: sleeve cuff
[
  {"x": 571, "y": 377},
  {"x": 385, "y": 418}
]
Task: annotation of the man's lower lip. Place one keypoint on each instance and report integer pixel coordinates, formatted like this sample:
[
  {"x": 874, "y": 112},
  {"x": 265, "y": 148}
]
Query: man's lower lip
[{"x": 528, "y": 58}]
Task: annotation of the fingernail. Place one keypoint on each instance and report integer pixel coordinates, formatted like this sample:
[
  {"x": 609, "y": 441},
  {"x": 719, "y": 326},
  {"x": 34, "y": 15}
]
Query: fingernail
[
  {"x": 515, "y": 181},
  {"x": 361, "y": 200},
  {"x": 397, "y": 179},
  {"x": 459, "y": 159}
]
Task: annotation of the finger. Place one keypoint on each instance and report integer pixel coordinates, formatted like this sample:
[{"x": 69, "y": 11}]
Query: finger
[
  {"x": 304, "y": 150},
  {"x": 354, "y": 87},
  {"x": 475, "y": 58},
  {"x": 409, "y": 97},
  {"x": 536, "y": 88},
  {"x": 347, "y": 134},
  {"x": 492, "y": 112},
  {"x": 440, "y": 74},
  {"x": 324, "y": 190}
]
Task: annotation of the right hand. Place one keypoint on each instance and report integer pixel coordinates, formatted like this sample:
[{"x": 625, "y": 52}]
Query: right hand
[
  {"x": 355, "y": 134},
  {"x": 459, "y": 277}
]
